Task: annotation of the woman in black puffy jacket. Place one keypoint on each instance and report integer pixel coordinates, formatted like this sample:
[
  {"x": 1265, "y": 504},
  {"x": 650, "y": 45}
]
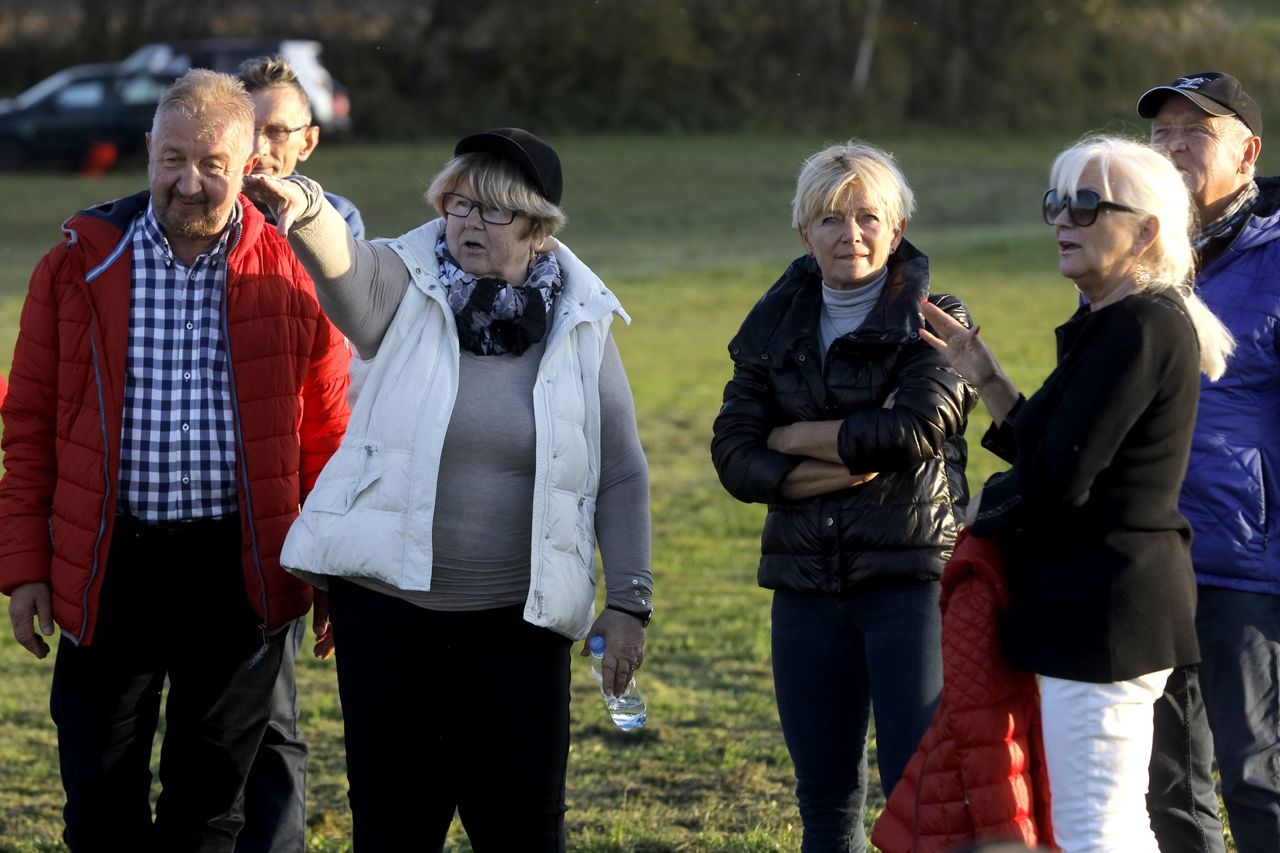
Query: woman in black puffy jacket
[{"x": 850, "y": 427}]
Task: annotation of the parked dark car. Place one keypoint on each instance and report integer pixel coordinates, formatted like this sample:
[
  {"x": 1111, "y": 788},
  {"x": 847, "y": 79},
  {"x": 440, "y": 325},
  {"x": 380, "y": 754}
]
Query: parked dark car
[
  {"x": 330, "y": 107},
  {"x": 79, "y": 113}
]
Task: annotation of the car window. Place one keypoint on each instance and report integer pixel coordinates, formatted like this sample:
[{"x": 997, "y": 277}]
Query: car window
[
  {"x": 141, "y": 91},
  {"x": 82, "y": 95}
]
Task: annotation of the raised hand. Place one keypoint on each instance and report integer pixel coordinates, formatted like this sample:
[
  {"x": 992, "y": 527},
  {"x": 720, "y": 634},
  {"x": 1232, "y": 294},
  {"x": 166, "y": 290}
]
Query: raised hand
[{"x": 285, "y": 199}]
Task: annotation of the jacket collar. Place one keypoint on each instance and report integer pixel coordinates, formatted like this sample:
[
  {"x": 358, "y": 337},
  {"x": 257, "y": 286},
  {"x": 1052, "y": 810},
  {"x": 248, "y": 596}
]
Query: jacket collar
[
  {"x": 789, "y": 312},
  {"x": 1264, "y": 225},
  {"x": 106, "y": 230}
]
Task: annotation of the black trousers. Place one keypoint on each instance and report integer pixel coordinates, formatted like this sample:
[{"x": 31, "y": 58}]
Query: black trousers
[
  {"x": 445, "y": 711},
  {"x": 173, "y": 607},
  {"x": 1182, "y": 799},
  {"x": 275, "y": 794}
]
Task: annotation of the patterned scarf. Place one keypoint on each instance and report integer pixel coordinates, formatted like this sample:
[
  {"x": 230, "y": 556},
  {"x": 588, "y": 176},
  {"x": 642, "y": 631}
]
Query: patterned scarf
[
  {"x": 1217, "y": 235},
  {"x": 494, "y": 316}
]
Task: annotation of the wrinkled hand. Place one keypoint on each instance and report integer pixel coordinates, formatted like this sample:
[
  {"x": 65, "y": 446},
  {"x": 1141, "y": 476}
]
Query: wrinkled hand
[
  {"x": 285, "y": 198},
  {"x": 623, "y": 649},
  {"x": 30, "y": 601},
  {"x": 321, "y": 626},
  {"x": 967, "y": 354}
]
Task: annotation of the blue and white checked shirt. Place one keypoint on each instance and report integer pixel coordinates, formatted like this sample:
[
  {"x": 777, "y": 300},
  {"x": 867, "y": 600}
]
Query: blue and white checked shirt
[{"x": 178, "y": 456}]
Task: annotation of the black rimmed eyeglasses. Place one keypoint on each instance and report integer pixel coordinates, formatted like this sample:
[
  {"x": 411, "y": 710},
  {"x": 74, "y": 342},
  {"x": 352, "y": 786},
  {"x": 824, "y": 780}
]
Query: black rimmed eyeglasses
[
  {"x": 461, "y": 207},
  {"x": 279, "y": 133},
  {"x": 1082, "y": 208}
]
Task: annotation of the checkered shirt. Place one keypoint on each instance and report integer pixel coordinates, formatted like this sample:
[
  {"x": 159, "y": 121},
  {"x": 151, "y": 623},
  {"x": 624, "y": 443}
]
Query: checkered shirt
[{"x": 178, "y": 455}]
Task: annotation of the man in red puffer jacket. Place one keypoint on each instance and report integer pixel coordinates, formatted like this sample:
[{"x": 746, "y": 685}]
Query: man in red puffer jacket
[{"x": 175, "y": 391}]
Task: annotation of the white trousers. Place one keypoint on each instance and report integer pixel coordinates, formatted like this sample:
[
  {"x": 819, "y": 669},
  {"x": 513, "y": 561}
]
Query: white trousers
[{"x": 1097, "y": 744}]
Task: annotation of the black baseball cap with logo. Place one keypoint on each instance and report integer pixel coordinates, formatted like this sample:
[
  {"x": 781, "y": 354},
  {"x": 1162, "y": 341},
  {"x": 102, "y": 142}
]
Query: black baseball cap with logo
[{"x": 1216, "y": 93}]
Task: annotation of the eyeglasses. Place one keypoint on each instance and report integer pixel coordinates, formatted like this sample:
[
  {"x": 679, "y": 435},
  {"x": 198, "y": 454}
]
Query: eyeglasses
[
  {"x": 461, "y": 207},
  {"x": 278, "y": 133},
  {"x": 1082, "y": 209}
]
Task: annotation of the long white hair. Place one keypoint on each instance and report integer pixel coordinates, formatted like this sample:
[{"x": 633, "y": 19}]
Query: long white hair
[{"x": 1143, "y": 178}]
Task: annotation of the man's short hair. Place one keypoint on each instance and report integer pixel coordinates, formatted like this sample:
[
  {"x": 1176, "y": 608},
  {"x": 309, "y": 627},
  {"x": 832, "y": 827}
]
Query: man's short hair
[
  {"x": 273, "y": 72},
  {"x": 214, "y": 100}
]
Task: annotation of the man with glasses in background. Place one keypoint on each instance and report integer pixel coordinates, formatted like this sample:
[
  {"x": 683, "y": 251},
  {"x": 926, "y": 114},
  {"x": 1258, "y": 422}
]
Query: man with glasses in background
[
  {"x": 275, "y": 793},
  {"x": 285, "y": 135},
  {"x": 1212, "y": 130}
]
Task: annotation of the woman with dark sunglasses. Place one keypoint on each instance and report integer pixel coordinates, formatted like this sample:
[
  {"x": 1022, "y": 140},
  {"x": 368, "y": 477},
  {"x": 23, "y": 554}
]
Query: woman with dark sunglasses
[{"x": 1101, "y": 591}]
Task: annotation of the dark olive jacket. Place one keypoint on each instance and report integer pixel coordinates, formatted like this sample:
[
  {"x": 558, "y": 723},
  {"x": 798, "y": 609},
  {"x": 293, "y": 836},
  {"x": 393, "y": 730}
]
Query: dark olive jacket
[{"x": 899, "y": 527}]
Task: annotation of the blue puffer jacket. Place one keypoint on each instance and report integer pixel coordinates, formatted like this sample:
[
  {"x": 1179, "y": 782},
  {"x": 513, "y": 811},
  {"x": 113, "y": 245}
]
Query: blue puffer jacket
[{"x": 1232, "y": 491}]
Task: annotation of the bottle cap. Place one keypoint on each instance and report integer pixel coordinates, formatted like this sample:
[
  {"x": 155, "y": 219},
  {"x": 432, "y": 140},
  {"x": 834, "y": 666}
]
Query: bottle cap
[{"x": 596, "y": 645}]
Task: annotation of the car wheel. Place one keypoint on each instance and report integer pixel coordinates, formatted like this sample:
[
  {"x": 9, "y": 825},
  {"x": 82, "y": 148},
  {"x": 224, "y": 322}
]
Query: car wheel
[{"x": 12, "y": 154}]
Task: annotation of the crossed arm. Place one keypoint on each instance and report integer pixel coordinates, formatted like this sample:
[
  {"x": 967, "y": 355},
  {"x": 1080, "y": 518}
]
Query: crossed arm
[{"x": 822, "y": 470}]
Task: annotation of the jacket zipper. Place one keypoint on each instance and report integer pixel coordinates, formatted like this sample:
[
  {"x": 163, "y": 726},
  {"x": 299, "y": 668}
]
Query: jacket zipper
[
  {"x": 107, "y": 490},
  {"x": 243, "y": 461}
]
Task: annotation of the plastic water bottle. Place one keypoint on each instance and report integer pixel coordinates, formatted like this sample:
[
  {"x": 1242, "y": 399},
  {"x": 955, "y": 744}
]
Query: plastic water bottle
[{"x": 628, "y": 711}]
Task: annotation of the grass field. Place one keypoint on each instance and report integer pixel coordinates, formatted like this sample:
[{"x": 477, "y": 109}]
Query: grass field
[{"x": 689, "y": 231}]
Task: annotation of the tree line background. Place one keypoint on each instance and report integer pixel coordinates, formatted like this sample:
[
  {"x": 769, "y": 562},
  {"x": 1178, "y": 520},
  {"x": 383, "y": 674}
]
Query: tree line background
[{"x": 416, "y": 67}]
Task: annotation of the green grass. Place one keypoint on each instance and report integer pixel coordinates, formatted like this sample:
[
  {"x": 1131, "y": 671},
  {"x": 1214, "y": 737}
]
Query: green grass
[{"x": 689, "y": 231}]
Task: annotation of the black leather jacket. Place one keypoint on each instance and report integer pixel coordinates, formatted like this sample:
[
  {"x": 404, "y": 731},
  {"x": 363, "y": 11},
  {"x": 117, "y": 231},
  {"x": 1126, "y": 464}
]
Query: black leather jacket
[{"x": 898, "y": 528}]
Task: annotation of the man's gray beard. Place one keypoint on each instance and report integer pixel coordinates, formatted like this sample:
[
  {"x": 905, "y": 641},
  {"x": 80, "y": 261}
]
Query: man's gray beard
[{"x": 205, "y": 225}]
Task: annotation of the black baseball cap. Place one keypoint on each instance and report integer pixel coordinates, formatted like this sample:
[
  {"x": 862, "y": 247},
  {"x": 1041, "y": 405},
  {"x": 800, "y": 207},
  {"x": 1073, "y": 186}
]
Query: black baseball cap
[
  {"x": 1216, "y": 93},
  {"x": 535, "y": 158}
]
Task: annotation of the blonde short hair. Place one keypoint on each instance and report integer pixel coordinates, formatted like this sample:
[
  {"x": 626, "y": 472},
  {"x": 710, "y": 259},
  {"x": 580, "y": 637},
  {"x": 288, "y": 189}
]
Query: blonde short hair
[
  {"x": 1143, "y": 178},
  {"x": 833, "y": 177},
  {"x": 497, "y": 182},
  {"x": 217, "y": 102}
]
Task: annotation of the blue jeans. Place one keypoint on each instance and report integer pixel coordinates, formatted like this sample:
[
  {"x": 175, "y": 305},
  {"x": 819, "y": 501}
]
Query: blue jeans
[
  {"x": 834, "y": 661},
  {"x": 1240, "y": 675},
  {"x": 1182, "y": 797},
  {"x": 275, "y": 803}
]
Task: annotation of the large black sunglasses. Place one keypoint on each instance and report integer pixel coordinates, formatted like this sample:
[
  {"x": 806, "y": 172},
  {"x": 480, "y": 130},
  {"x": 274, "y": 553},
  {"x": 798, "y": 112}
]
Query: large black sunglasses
[{"x": 1082, "y": 209}]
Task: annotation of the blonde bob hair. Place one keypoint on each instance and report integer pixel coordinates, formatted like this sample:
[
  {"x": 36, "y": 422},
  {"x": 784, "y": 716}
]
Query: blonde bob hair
[
  {"x": 854, "y": 171},
  {"x": 498, "y": 182},
  {"x": 1143, "y": 178}
]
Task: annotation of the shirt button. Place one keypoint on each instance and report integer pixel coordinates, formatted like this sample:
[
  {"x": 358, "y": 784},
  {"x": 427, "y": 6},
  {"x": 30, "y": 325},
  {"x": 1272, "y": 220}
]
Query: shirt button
[
  {"x": 190, "y": 325},
  {"x": 186, "y": 375},
  {"x": 831, "y": 522},
  {"x": 186, "y": 481},
  {"x": 186, "y": 427}
]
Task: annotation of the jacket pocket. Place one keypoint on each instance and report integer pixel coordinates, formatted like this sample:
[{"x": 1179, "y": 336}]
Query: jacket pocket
[
  {"x": 585, "y": 530},
  {"x": 351, "y": 472}
]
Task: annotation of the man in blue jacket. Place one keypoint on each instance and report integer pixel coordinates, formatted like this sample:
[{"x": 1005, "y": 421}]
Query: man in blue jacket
[{"x": 1212, "y": 130}]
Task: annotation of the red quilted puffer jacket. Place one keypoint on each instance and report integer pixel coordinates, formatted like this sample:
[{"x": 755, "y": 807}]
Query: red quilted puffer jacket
[
  {"x": 979, "y": 771},
  {"x": 63, "y": 415}
]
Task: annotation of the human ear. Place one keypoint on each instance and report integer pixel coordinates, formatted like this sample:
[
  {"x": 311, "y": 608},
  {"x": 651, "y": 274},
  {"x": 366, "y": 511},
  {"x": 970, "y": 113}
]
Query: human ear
[
  {"x": 310, "y": 139},
  {"x": 804, "y": 238},
  {"x": 1148, "y": 230},
  {"x": 1252, "y": 150}
]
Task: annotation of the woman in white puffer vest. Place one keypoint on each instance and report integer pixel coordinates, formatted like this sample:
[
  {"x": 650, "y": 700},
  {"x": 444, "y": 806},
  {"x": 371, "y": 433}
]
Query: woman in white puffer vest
[{"x": 492, "y": 440}]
